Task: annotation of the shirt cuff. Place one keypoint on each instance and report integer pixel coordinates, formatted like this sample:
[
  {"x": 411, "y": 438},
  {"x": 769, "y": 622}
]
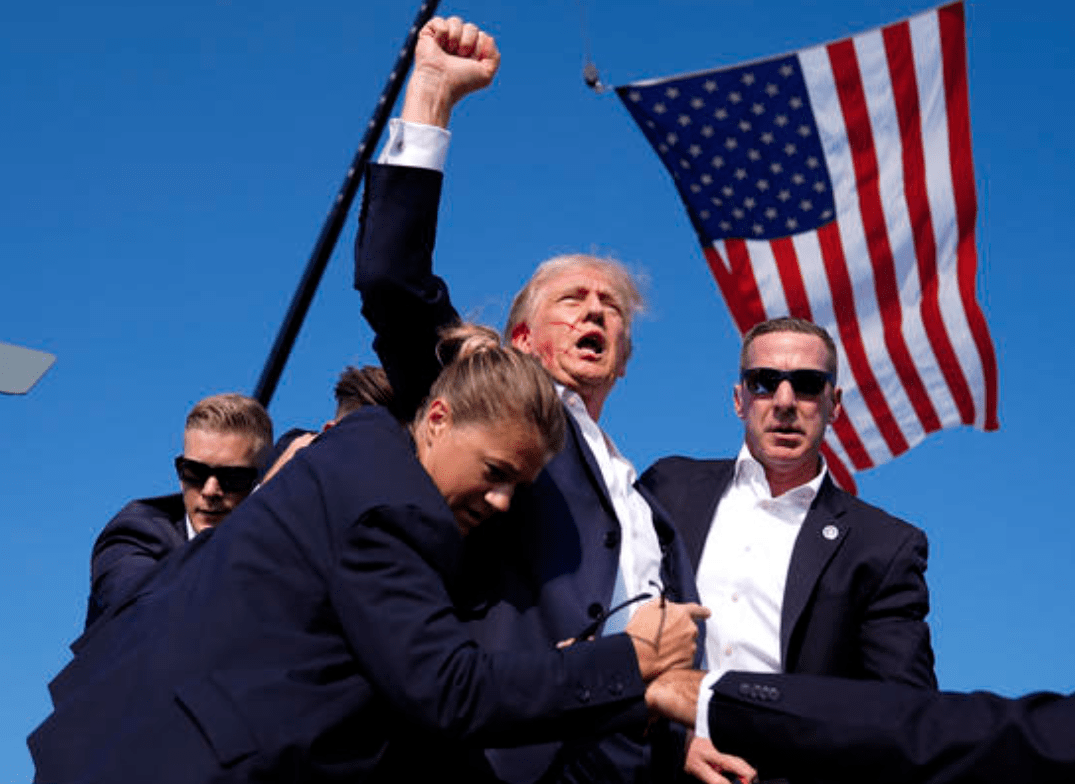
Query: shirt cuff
[
  {"x": 705, "y": 691},
  {"x": 415, "y": 145}
]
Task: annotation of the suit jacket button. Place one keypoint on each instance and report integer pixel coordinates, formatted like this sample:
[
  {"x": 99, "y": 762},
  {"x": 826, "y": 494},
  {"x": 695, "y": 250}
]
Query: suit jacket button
[
  {"x": 595, "y": 610},
  {"x": 776, "y": 693},
  {"x": 612, "y": 539},
  {"x": 583, "y": 694},
  {"x": 744, "y": 689},
  {"x": 616, "y": 688}
]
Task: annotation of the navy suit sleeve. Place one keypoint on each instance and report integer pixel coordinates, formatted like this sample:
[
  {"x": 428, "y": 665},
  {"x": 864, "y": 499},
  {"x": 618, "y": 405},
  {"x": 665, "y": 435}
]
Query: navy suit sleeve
[
  {"x": 826, "y": 730},
  {"x": 403, "y": 301},
  {"x": 398, "y": 617},
  {"x": 129, "y": 549},
  {"x": 894, "y": 637}
]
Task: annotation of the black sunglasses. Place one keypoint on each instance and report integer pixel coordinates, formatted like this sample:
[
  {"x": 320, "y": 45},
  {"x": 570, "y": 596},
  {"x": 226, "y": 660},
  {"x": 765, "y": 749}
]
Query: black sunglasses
[
  {"x": 806, "y": 383},
  {"x": 232, "y": 479}
]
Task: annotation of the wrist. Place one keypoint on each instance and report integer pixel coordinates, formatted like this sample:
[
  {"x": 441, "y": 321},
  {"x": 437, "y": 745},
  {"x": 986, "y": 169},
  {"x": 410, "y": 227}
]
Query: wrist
[{"x": 429, "y": 100}]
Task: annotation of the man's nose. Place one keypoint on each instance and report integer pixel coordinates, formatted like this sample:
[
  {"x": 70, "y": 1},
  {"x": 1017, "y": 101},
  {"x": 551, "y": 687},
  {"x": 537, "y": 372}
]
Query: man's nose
[
  {"x": 212, "y": 486},
  {"x": 784, "y": 395},
  {"x": 595, "y": 309},
  {"x": 499, "y": 497}
]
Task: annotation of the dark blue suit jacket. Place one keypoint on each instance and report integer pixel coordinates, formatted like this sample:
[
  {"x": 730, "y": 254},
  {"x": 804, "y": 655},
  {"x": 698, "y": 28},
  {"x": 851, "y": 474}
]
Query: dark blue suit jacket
[
  {"x": 130, "y": 547},
  {"x": 831, "y": 731},
  {"x": 549, "y": 565},
  {"x": 854, "y": 604},
  {"x": 289, "y": 644}
]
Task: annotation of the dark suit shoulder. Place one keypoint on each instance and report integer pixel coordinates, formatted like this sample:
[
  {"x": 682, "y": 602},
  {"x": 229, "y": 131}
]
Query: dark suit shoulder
[
  {"x": 881, "y": 522},
  {"x": 157, "y": 521}
]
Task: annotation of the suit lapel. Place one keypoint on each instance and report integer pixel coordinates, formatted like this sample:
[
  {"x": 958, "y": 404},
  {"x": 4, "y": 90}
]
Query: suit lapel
[
  {"x": 823, "y": 532},
  {"x": 589, "y": 461}
]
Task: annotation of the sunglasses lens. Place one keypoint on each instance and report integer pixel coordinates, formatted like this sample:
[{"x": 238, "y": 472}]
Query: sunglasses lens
[
  {"x": 808, "y": 382},
  {"x": 762, "y": 381},
  {"x": 236, "y": 480},
  {"x": 191, "y": 472},
  {"x": 766, "y": 381},
  {"x": 232, "y": 479}
]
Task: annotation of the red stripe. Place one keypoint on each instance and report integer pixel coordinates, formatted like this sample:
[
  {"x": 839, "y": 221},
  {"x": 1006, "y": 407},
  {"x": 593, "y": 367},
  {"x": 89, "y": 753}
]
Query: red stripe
[
  {"x": 844, "y": 429},
  {"x": 791, "y": 278},
  {"x": 905, "y": 92},
  {"x": 738, "y": 286},
  {"x": 852, "y": 96},
  {"x": 954, "y": 54},
  {"x": 843, "y": 306},
  {"x": 839, "y": 471}
]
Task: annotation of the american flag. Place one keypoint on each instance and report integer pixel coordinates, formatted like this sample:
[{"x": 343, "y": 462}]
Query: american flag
[{"x": 836, "y": 184}]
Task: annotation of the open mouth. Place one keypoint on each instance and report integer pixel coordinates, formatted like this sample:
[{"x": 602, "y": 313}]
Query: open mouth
[{"x": 593, "y": 342}]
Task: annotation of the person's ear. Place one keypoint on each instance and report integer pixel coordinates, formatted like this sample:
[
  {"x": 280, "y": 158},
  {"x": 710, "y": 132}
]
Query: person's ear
[
  {"x": 520, "y": 337},
  {"x": 837, "y": 405},
  {"x": 438, "y": 418},
  {"x": 737, "y": 400}
]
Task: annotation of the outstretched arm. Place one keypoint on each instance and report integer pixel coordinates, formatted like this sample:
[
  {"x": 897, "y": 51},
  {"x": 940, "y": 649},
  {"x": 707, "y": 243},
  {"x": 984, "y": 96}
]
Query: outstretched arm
[{"x": 403, "y": 301}]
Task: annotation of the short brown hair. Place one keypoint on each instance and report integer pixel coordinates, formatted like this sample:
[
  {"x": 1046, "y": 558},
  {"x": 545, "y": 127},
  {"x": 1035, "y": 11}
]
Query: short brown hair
[
  {"x": 624, "y": 282},
  {"x": 358, "y": 387},
  {"x": 790, "y": 324},
  {"x": 483, "y": 381},
  {"x": 233, "y": 413}
]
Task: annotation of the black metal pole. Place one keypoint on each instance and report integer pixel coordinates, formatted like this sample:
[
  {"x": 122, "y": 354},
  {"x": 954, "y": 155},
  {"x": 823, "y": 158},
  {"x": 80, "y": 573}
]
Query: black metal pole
[{"x": 337, "y": 216}]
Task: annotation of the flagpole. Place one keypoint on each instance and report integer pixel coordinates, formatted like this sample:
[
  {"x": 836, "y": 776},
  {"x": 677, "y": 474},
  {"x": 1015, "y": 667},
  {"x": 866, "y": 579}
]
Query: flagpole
[{"x": 337, "y": 216}]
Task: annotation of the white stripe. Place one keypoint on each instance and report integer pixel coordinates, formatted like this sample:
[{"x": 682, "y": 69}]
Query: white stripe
[
  {"x": 767, "y": 276},
  {"x": 881, "y": 104},
  {"x": 929, "y": 71},
  {"x": 808, "y": 251},
  {"x": 817, "y": 71}
]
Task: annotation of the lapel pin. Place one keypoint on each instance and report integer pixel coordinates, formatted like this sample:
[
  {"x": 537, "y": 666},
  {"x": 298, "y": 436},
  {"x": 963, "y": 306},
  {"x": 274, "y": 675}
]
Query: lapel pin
[{"x": 830, "y": 532}]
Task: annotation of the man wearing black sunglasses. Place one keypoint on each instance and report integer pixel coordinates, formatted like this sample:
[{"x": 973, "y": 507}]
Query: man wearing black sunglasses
[
  {"x": 800, "y": 576},
  {"x": 223, "y": 442}
]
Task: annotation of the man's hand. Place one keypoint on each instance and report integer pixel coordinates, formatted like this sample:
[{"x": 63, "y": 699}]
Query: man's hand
[
  {"x": 707, "y": 764},
  {"x": 664, "y": 634},
  {"x": 451, "y": 60},
  {"x": 674, "y": 695}
]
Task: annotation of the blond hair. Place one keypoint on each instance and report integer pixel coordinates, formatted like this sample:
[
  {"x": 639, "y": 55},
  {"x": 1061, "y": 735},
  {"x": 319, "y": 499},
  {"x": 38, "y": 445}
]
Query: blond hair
[
  {"x": 233, "y": 413},
  {"x": 483, "y": 381}
]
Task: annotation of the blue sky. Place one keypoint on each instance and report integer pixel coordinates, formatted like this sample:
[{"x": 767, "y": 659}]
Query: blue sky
[{"x": 166, "y": 169}]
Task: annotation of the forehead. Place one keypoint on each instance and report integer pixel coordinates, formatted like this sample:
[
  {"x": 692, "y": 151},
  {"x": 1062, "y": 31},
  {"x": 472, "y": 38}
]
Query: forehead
[
  {"x": 219, "y": 447},
  {"x": 582, "y": 279},
  {"x": 512, "y": 445},
  {"x": 788, "y": 351}
]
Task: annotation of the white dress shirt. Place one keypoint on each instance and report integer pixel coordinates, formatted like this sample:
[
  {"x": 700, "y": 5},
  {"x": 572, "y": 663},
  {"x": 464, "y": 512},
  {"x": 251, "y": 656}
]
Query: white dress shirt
[
  {"x": 743, "y": 572},
  {"x": 640, "y": 550}
]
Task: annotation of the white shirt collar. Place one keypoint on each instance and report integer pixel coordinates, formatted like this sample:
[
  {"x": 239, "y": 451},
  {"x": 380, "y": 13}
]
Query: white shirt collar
[{"x": 749, "y": 473}]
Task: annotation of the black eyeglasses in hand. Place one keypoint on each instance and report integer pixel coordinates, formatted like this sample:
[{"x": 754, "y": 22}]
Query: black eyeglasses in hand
[{"x": 592, "y": 628}]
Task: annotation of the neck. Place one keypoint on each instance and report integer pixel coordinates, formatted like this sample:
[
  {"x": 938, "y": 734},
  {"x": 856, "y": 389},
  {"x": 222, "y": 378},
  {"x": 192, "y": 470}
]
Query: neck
[
  {"x": 593, "y": 399},
  {"x": 782, "y": 480}
]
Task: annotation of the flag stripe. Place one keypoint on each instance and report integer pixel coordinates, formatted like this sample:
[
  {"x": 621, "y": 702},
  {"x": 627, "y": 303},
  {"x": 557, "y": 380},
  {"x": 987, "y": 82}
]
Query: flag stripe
[
  {"x": 864, "y": 367},
  {"x": 791, "y": 276},
  {"x": 897, "y": 39},
  {"x": 953, "y": 48},
  {"x": 847, "y": 321},
  {"x": 736, "y": 282},
  {"x": 839, "y": 471},
  {"x": 852, "y": 95}
]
